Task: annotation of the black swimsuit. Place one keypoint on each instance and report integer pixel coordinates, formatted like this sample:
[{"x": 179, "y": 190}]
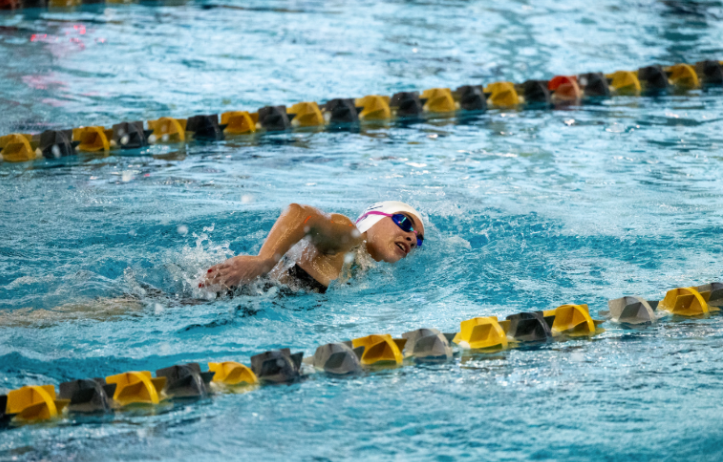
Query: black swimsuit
[{"x": 305, "y": 280}]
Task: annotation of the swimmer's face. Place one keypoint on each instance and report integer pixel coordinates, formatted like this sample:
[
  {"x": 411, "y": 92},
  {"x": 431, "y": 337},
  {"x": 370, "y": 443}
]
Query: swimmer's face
[{"x": 388, "y": 242}]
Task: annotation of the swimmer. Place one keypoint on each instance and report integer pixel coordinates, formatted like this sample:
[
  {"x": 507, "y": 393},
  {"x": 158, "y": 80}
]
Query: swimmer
[{"x": 387, "y": 231}]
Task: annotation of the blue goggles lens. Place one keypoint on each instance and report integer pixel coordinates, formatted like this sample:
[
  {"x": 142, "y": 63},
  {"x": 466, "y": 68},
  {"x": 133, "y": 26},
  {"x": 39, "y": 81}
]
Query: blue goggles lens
[{"x": 405, "y": 224}]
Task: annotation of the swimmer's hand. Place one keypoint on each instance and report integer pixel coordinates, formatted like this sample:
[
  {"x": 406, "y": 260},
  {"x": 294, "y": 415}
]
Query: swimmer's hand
[{"x": 238, "y": 270}]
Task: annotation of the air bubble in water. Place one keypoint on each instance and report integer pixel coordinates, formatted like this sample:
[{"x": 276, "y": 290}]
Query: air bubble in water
[{"x": 182, "y": 229}]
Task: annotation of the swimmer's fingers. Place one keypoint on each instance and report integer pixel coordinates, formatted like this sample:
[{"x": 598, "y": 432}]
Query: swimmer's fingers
[
  {"x": 217, "y": 272},
  {"x": 241, "y": 269},
  {"x": 222, "y": 276},
  {"x": 227, "y": 276},
  {"x": 213, "y": 275}
]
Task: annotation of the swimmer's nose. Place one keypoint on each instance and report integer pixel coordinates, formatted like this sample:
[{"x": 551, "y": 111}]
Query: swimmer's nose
[{"x": 412, "y": 243}]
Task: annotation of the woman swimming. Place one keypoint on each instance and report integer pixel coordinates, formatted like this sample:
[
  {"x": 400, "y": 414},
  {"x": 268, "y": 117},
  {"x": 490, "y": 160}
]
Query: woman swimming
[{"x": 387, "y": 231}]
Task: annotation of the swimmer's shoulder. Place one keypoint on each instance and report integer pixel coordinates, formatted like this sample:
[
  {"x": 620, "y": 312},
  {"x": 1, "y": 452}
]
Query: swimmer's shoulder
[{"x": 341, "y": 220}]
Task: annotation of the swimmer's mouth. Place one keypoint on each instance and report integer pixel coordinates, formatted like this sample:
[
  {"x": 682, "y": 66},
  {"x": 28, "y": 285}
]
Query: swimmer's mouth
[{"x": 403, "y": 248}]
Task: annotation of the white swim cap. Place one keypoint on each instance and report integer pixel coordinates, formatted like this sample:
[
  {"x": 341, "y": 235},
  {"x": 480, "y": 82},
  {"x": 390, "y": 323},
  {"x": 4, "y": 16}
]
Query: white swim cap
[{"x": 367, "y": 220}]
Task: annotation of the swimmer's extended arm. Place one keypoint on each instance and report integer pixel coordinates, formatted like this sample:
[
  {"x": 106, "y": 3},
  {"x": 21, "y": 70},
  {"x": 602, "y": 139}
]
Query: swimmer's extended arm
[{"x": 329, "y": 233}]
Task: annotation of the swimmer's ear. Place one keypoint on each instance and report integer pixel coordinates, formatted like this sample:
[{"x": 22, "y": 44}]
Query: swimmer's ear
[
  {"x": 450, "y": 336},
  {"x": 359, "y": 351},
  {"x": 296, "y": 358}
]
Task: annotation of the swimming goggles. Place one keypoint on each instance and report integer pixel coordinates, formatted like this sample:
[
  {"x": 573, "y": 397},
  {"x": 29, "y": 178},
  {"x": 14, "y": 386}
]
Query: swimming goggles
[{"x": 401, "y": 220}]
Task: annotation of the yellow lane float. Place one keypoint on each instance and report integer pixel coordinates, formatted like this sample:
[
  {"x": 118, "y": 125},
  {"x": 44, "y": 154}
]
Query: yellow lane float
[
  {"x": 380, "y": 349},
  {"x": 232, "y": 373},
  {"x": 238, "y": 122},
  {"x": 137, "y": 387},
  {"x": 34, "y": 402},
  {"x": 93, "y": 139},
  {"x": 687, "y": 301},
  {"x": 439, "y": 100},
  {"x": 306, "y": 115},
  {"x": 482, "y": 333},
  {"x": 683, "y": 76},
  {"x": 17, "y": 147},
  {"x": 502, "y": 94},
  {"x": 168, "y": 129},
  {"x": 374, "y": 107},
  {"x": 573, "y": 320},
  {"x": 624, "y": 83}
]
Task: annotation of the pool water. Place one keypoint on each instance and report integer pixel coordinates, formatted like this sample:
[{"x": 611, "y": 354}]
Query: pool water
[{"x": 526, "y": 210}]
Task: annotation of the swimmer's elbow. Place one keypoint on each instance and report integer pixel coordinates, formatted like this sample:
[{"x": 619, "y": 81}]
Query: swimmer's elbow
[{"x": 294, "y": 208}]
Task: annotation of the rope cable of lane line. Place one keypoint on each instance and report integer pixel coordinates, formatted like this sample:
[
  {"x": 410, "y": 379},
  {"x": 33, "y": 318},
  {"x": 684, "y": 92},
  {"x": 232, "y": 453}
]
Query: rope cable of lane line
[
  {"x": 479, "y": 335},
  {"x": 561, "y": 90}
]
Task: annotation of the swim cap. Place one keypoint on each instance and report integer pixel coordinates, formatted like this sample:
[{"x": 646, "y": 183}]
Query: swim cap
[{"x": 363, "y": 223}]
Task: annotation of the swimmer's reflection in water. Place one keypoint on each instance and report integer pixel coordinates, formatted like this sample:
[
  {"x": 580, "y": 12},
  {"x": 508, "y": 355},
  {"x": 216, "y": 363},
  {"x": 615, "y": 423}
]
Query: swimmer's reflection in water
[{"x": 328, "y": 245}]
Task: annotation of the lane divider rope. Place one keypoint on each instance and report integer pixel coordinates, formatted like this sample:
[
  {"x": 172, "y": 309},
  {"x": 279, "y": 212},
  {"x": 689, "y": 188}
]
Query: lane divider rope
[
  {"x": 477, "y": 336},
  {"x": 561, "y": 90}
]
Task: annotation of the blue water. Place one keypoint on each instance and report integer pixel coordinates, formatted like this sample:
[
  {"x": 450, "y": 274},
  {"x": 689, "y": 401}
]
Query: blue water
[{"x": 526, "y": 210}]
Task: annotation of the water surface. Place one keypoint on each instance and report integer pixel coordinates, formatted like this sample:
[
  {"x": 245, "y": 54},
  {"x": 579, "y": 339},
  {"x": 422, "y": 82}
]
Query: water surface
[{"x": 526, "y": 210}]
